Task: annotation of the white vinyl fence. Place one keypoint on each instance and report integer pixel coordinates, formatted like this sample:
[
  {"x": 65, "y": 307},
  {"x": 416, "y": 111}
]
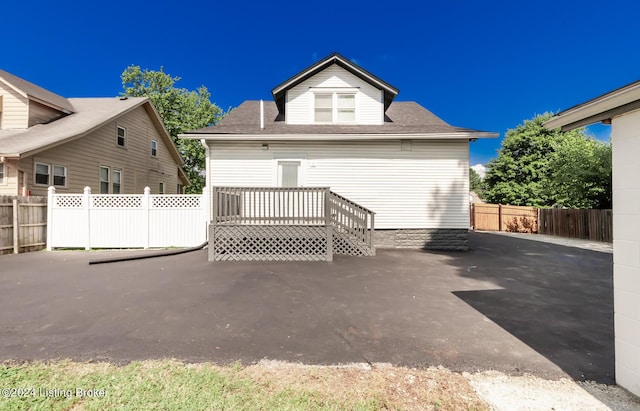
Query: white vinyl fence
[{"x": 126, "y": 220}]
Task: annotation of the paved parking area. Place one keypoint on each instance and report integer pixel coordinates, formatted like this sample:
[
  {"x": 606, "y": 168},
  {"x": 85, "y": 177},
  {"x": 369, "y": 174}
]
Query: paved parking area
[{"x": 509, "y": 304}]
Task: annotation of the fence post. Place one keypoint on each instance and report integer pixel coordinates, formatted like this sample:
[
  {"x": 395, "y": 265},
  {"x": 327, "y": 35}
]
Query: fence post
[
  {"x": 328, "y": 224},
  {"x": 499, "y": 217},
  {"x": 204, "y": 203},
  {"x": 145, "y": 206},
  {"x": 85, "y": 203},
  {"x": 50, "y": 195},
  {"x": 372, "y": 231},
  {"x": 16, "y": 228}
]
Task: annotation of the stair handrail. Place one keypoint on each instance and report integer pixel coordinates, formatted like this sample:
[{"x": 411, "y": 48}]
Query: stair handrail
[{"x": 359, "y": 223}]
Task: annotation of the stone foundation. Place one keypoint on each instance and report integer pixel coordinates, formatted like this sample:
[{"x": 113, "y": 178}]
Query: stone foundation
[{"x": 425, "y": 238}]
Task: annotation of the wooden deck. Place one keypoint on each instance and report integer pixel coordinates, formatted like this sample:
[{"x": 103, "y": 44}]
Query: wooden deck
[{"x": 275, "y": 223}]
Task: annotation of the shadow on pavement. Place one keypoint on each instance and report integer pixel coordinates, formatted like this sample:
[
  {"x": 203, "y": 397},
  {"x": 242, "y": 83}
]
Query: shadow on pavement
[{"x": 556, "y": 299}]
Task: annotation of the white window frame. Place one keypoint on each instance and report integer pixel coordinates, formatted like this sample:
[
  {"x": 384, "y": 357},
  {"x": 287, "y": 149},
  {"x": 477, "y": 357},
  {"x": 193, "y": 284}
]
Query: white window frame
[
  {"x": 3, "y": 172},
  {"x": 277, "y": 181},
  {"x": 324, "y": 109},
  {"x": 154, "y": 148},
  {"x": 335, "y": 109},
  {"x": 115, "y": 171},
  {"x": 35, "y": 173},
  {"x": 339, "y": 109},
  {"x": 124, "y": 136},
  {"x": 160, "y": 187},
  {"x": 65, "y": 175},
  {"x": 108, "y": 181}
]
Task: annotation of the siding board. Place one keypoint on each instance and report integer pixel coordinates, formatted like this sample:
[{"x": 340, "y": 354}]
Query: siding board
[
  {"x": 423, "y": 188},
  {"x": 300, "y": 99},
  {"x": 15, "y": 109}
]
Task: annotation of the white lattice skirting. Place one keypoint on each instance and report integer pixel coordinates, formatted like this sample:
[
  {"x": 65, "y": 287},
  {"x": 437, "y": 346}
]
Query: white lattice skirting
[{"x": 269, "y": 243}]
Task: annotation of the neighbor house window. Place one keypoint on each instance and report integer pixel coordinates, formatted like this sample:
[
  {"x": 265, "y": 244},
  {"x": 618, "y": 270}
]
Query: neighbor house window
[
  {"x": 335, "y": 108},
  {"x": 117, "y": 181},
  {"x": 122, "y": 136},
  {"x": 154, "y": 148},
  {"x": 59, "y": 176},
  {"x": 104, "y": 180},
  {"x": 161, "y": 188},
  {"x": 43, "y": 171},
  {"x": 1, "y": 173},
  {"x": 179, "y": 189}
]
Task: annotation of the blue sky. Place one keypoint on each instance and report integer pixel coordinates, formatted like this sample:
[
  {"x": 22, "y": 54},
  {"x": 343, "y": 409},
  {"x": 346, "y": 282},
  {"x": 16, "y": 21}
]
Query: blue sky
[{"x": 485, "y": 65}]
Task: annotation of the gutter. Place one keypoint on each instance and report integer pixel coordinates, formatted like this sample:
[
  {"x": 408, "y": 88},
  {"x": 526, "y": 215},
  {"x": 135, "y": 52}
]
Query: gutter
[{"x": 339, "y": 137}]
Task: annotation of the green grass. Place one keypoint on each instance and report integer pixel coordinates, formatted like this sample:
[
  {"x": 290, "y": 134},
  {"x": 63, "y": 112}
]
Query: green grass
[
  {"x": 173, "y": 385},
  {"x": 165, "y": 385}
]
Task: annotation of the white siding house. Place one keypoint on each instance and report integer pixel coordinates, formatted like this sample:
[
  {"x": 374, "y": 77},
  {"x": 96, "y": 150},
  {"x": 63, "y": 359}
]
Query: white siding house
[
  {"x": 336, "y": 125},
  {"x": 621, "y": 109}
]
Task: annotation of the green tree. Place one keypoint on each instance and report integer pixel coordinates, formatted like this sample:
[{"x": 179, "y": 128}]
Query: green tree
[
  {"x": 521, "y": 174},
  {"x": 581, "y": 172},
  {"x": 476, "y": 184},
  {"x": 180, "y": 109}
]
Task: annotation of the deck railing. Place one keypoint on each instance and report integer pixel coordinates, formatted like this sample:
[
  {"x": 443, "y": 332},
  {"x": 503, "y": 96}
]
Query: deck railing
[
  {"x": 349, "y": 224},
  {"x": 270, "y": 205}
]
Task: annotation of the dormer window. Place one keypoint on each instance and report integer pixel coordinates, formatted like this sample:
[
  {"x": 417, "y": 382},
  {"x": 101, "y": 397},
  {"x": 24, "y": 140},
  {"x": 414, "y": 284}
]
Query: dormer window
[{"x": 336, "y": 107}]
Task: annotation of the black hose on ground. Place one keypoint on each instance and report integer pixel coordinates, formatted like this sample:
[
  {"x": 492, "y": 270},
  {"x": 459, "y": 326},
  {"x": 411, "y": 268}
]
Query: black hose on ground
[{"x": 163, "y": 253}]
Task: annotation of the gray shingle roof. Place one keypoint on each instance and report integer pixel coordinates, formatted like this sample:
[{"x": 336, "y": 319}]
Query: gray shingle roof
[
  {"x": 37, "y": 92},
  {"x": 89, "y": 113},
  {"x": 401, "y": 118}
]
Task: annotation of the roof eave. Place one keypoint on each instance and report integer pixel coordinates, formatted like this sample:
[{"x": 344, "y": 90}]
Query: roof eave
[
  {"x": 64, "y": 110},
  {"x": 599, "y": 109},
  {"x": 460, "y": 135}
]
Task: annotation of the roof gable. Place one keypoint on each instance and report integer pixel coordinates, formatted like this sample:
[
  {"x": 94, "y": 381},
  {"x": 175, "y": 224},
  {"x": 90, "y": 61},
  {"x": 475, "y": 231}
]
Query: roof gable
[
  {"x": 279, "y": 92},
  {"x": 36, "y": 92}
]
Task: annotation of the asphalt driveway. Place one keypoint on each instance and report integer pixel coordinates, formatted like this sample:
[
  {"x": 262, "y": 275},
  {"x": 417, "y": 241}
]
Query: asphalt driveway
[{"x": 509, "y": 304}]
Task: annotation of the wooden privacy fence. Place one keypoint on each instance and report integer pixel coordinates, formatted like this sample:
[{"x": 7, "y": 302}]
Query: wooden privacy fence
[
  {"x": 586, "y": 224},
  {"x": 498, "y": 217},
  {"x": 594, "y": 225},
  {"x": 23, "y": 224}
]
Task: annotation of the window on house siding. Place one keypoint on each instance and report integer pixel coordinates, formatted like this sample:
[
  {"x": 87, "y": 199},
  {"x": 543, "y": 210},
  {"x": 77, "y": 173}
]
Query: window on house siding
[
  {"x": 154, "y": 148},
  {"x": 43, "y": 171},
  {"x": 1, "y": 173},
  {"x": 179, "y": 189},
  {"x": 122, "y": 136},
  {"x": 324, "y": 108},
  {"x": 104, "y": 180},
  {"x": 117, "y": 181},
  {"x": 161, "y": 188},
  {"x": 346, "y": 108},
  {"x": 60, "y": 176},
  {"x": 288, "y": 173},
  {"x": 335, "y": 108}
]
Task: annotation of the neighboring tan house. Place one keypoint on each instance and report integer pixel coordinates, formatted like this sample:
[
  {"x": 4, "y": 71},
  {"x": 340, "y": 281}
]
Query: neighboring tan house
[
  {"x": 336, "y": 125},
  {"x": 621, "y": 109},
  {"x": 113, "y": 145}
]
